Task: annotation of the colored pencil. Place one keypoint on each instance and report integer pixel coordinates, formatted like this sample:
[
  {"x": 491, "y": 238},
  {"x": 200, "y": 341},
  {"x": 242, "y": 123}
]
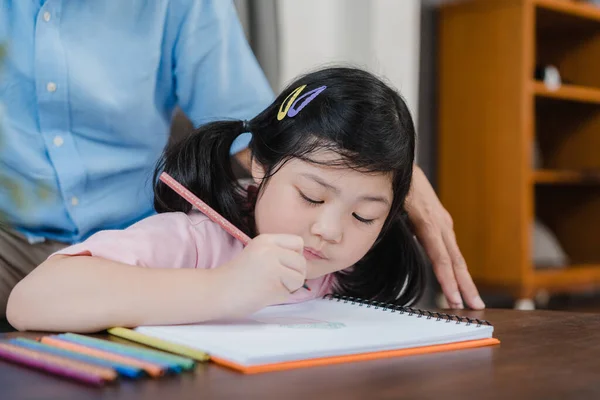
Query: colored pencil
[
  {"x": 208, "y": 211},
  {"x": 152, "y": 369},
  {"x": 159, "y": 343},
  {"x": 105, "y": 373},
  {"x": 204, "y": 208},
  {"x": 122, "y": 369},
  {"x": 175, "y": 363},
  {"x": 51, "y": 364}
]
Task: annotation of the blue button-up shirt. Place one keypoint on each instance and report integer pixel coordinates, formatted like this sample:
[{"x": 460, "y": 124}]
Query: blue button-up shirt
[{"x": 88, "y": 89}]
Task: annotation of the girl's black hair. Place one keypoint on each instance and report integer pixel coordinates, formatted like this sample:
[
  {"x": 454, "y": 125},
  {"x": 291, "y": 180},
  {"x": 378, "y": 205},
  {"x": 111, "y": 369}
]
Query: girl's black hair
[{"x": 359, "y": 117}]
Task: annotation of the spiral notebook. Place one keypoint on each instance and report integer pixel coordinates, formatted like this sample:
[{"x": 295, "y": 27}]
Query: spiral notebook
[{"x": 326, "y": 331}]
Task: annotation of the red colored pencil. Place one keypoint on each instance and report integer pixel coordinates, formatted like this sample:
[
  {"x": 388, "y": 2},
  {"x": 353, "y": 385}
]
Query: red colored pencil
[{"x": 207, "y": 210}]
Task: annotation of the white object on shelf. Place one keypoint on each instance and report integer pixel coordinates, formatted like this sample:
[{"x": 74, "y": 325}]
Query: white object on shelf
[
  {"x": 524, "y": 305},
  {"x": 547, "y": 251}
]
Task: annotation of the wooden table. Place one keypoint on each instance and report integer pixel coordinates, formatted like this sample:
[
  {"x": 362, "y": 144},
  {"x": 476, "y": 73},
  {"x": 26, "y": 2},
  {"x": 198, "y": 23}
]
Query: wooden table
[{"x": 544, "y": 354}]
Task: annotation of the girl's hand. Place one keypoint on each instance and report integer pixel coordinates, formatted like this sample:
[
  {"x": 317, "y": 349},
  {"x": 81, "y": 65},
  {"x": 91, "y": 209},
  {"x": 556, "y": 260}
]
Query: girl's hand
[{"x": 264, "y": 273}]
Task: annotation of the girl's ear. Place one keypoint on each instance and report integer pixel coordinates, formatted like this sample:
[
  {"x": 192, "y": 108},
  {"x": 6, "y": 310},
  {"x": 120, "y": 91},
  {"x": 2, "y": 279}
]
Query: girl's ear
[{"x": 257, "y": 171}]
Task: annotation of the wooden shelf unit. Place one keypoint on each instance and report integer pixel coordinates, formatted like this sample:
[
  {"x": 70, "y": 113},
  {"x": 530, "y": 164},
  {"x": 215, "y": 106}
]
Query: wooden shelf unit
[{"x": 493, "y": 113}]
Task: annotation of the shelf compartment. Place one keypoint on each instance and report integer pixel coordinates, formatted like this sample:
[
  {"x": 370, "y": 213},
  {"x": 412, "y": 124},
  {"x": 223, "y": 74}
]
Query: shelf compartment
[
  {"x": 573, "y": 215},
  {"x": 568, "y": 12},
  {"x": 567, "y": 135},
  {"x": 567, "y": 36}
]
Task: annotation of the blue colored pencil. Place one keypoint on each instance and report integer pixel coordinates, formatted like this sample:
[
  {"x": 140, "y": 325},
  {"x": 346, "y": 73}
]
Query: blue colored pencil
[
  {"x": 171, "y": 362},
  {"x": 129, "y": 352},
  {"x": 122, "y": 369}
]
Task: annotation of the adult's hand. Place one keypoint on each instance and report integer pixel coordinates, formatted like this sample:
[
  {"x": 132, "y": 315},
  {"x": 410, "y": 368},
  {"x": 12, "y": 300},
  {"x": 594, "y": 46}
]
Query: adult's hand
[{"x": 435, "y": 231}]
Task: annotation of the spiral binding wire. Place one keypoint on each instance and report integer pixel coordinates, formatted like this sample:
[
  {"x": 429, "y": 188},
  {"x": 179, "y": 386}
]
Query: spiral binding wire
[{"x": 410, "y": 311}]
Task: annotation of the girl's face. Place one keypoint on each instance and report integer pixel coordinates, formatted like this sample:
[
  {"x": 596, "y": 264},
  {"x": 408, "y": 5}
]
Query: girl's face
[{"x": 338, "y": 211}]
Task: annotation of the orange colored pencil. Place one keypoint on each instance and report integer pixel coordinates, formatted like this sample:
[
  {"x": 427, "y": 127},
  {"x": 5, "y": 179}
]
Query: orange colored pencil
[{"x": 152, "y": 369}]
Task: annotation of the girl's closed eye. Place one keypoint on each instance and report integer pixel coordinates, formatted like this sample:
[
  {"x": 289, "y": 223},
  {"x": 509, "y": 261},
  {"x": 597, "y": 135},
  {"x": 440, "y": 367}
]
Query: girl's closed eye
[
  {"x": 363, "y": 220},
  {"x": 311, "y": 202}
]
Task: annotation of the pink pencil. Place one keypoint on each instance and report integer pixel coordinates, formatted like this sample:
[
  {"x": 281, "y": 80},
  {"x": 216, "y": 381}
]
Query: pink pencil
[{"x": 206, "y": 210}]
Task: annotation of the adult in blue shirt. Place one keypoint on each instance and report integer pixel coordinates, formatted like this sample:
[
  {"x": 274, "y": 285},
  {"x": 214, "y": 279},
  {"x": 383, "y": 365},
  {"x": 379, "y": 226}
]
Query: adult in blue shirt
[{"x": 89, "y": 89}]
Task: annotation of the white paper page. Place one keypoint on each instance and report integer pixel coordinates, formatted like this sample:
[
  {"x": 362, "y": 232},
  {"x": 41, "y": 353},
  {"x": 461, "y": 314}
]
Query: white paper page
[{"x": 318, "y": 328}]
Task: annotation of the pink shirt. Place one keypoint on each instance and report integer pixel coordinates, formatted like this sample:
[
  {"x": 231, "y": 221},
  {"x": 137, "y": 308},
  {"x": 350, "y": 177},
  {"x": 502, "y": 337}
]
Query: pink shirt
[{"x": 177, "y": 240}]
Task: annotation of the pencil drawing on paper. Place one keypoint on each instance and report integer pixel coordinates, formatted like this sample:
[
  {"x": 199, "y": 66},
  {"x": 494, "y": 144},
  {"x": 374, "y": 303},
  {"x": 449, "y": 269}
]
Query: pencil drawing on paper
[{"x": 300, "y": 323}]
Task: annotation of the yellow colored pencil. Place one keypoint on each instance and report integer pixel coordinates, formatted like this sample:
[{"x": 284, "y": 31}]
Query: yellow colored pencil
[{"x": 159, "y": 343}]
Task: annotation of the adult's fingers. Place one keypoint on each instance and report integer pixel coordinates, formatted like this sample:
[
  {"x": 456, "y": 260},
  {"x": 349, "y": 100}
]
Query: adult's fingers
[
  {"x": 461, "y": 272},
  {"x": 434, "y": 246}
]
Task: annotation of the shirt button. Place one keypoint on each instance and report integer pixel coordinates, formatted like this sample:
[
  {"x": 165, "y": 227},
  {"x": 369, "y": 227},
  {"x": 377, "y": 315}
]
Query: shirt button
[
  {"x": 74, "y": 201},
  {"x": 51, "y": 87},
  {"x": 58, "y": 141},
  {"x": 47, "y": 16}
]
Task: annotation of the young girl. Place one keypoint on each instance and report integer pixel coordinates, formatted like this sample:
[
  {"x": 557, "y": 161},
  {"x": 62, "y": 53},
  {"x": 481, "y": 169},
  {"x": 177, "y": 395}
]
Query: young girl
[{"x": 332, "y": 161}]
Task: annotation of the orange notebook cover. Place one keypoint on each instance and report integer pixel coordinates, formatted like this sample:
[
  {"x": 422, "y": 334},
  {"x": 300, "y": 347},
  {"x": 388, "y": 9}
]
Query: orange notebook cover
[
  {"x": 316, "y": 362},
  {"x": 326, "y": 331}
]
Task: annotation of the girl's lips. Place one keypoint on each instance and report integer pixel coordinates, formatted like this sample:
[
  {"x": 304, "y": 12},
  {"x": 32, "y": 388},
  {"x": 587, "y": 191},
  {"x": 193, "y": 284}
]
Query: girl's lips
[{"x": 312, "y": 254}]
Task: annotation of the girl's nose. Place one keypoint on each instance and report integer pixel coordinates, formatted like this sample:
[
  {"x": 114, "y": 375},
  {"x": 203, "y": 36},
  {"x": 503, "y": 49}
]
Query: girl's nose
[{"x": 328, "y": 227}]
